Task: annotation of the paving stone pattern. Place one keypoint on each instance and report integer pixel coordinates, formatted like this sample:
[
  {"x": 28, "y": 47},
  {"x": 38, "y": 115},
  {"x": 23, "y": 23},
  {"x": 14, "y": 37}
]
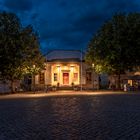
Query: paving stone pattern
[{"x": 97, "y": 117}]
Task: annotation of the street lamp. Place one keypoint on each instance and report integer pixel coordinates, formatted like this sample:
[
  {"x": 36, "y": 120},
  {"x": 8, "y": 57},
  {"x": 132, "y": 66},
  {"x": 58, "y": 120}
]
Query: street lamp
[{"x": 34, "y": 78}]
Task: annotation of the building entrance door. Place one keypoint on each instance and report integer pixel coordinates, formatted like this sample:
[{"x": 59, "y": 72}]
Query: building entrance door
[{"x": 65, "y": 78}]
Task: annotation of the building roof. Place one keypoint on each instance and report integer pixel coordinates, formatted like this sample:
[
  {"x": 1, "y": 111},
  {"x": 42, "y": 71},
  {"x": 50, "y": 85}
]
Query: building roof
[{"x": 65, "y": 55}]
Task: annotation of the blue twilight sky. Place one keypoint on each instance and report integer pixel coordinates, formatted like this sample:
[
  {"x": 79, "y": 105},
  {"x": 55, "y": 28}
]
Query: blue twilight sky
[{"x": 67, "y": 24}]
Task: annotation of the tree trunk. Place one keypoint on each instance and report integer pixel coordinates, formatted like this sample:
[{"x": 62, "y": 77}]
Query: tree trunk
[
  {"x": 119, "y": 81},
  {"x": 12, "y": 86}
]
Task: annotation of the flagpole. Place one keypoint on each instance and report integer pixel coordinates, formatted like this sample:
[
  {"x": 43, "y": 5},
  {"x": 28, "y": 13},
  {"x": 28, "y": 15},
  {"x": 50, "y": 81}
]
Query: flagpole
[{"x": 81, "y": 70}]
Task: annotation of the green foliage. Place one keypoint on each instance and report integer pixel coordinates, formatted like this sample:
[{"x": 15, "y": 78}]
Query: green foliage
[
  {"x": 19, "y": 49},
  {"x": 116, "y": 46}
]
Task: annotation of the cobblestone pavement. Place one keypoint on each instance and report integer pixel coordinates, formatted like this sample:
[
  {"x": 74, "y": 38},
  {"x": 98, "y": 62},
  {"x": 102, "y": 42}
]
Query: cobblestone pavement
[{"x": 96, "y": 117}]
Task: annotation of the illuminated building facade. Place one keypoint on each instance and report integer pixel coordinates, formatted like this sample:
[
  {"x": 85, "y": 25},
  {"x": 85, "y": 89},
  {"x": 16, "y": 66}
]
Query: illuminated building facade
[{"x": 66, "y": 68}]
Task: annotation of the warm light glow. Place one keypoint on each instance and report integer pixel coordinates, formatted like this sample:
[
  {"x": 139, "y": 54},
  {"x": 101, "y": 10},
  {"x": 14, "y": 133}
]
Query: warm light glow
[
  {"x": 57, "y": 65},
  {"x": 33, "y": 66},
  {"x": 72, "y": 68},
  {"x": 130, "y": 82},
  {"x": 93, "y": 65},
  {"x": 58, "y": 68},
  {"x": 65, "y": 67},
  {"x": 72, "y": 71}
]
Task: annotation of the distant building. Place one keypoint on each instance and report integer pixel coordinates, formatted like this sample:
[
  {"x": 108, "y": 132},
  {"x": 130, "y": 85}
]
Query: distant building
[
  {"x": 132, "y": 79},
  {"x": 67, "y": 68}
]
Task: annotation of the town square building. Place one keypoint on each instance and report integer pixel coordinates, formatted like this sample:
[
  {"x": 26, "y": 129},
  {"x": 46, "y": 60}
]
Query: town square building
[{"x": 66, "y": 68}]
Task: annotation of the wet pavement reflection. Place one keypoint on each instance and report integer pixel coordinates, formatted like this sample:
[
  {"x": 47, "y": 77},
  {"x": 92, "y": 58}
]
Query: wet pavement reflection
[{"x": 101, "y": 117}]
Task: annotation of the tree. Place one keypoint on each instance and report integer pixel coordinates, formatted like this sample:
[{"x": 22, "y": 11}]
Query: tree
[
  {"x": 115, "y": 48},
  {"x": 19, "y": 49}
]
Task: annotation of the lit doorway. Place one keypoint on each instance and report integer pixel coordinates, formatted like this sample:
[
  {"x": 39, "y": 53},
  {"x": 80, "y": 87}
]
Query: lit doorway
[{"x": 65, "y": 78}]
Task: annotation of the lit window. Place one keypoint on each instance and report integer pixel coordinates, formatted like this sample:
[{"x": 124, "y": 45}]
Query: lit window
[
  {"x": 41, "y": 78},
  {"x": 75, "y": 76},
  {"x": 55, "y": 76},
  {"x": 88, "y": 77}
]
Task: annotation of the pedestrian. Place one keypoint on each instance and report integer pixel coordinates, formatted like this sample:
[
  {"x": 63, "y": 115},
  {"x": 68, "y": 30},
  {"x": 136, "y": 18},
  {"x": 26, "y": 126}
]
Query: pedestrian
[{"x": 125, "y": 87}]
